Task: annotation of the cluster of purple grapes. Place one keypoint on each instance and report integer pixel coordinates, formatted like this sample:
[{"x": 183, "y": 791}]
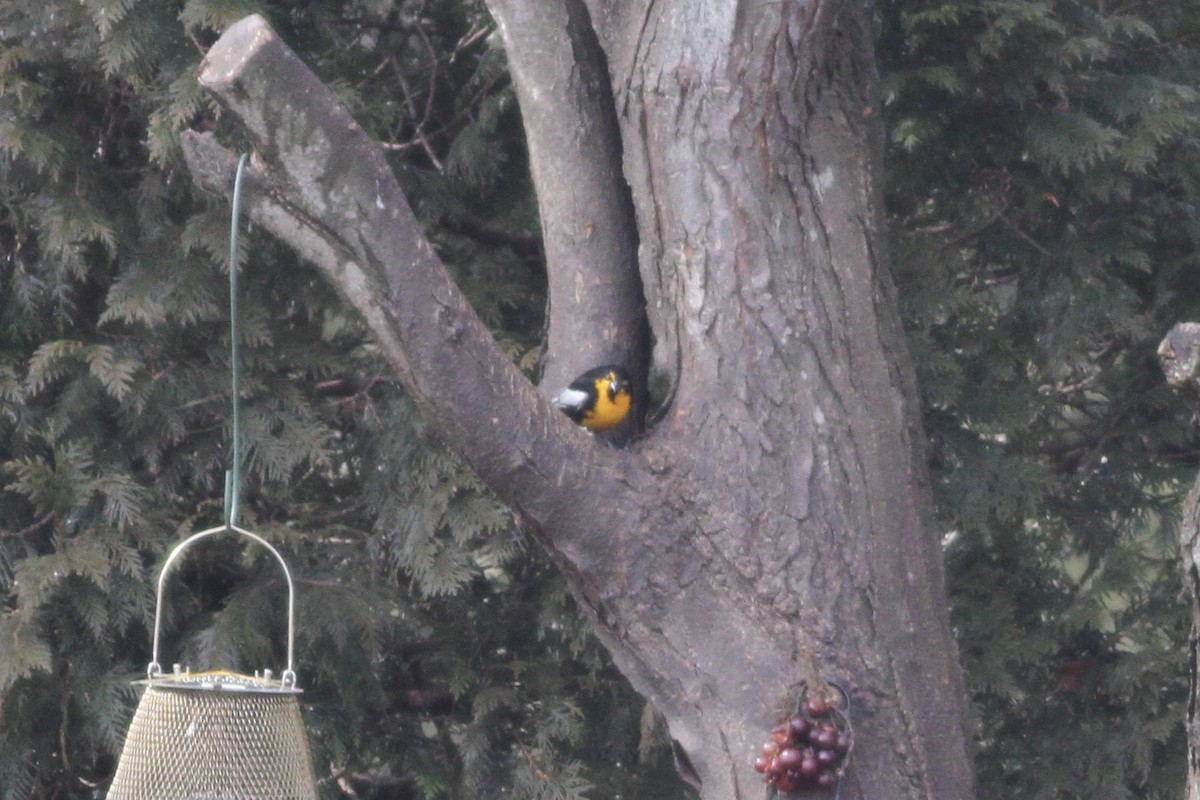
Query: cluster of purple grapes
[{"x": 807, "y": 750}]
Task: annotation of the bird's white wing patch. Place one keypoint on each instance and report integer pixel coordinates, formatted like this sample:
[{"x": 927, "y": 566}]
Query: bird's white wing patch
[{"x": 570, "y": 398}]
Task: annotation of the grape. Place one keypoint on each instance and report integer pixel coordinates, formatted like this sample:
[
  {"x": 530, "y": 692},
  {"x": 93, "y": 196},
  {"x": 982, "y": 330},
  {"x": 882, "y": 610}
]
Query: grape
[
  {"x": 807, "y": 749},
  {"x": 786, "y": 783},
  {"x": 800, "y": 728},
  {"x": 818, "y": 706},
  {"x": 789, "y": 757},
  {"x": 825, "y": 737}
]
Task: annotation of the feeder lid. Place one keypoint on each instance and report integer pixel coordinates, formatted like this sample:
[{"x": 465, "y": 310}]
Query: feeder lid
[{"x": 223, "y": 681}]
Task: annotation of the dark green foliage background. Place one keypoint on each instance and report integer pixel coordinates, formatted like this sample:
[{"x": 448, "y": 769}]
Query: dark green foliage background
[
  {"x": 1042, "y": 190},
  {"x": 1042, "y": 181}
]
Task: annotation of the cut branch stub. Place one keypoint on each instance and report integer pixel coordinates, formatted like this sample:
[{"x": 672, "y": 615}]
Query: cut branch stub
[{"x": 1179, "y": 355}]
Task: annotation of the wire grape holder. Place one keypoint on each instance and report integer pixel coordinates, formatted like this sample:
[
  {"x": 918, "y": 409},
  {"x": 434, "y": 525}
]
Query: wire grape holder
[{"x": 218, "y": 735}]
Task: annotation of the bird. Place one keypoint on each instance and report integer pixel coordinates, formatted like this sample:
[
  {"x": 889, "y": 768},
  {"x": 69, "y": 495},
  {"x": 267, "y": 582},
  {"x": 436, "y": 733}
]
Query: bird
[{"x": 599, "y": 399}]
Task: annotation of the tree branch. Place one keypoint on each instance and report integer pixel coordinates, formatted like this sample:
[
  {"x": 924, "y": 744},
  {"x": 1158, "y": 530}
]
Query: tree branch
[
  {"x": 319, "y": 183},
  {"x": 597, "y": 310}
]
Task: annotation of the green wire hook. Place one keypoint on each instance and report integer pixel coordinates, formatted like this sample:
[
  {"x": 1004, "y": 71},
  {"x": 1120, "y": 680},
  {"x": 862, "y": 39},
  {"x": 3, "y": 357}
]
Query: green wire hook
[{"x": 233, "y": 476}]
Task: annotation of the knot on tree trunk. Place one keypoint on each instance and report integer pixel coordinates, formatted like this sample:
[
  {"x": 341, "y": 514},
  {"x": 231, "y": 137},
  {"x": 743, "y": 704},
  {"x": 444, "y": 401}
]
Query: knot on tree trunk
[{"x": 1179, "y": 355}]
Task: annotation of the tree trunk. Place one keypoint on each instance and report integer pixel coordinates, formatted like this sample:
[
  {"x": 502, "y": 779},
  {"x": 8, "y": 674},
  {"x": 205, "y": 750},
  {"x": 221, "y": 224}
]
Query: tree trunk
[
  {"x": 774, "y": 528},
  {"x": 1190, "y": 541},
  {"x": 1179, "y": 354}
]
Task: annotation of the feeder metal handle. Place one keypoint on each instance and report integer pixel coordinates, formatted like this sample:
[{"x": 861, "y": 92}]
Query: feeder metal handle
[{"x": 288, "y": 679}]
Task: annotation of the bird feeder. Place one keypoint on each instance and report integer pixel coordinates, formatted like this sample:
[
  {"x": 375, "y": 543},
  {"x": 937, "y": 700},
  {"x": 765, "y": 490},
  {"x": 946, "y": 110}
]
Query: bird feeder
[{"x": 216, "y": 735}]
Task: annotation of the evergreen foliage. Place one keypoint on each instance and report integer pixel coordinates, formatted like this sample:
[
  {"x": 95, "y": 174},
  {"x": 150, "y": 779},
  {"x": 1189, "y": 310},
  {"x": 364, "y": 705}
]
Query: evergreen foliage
[
  {"x": 1042, "y": 191},
  {"x": 440, "y": 655}
]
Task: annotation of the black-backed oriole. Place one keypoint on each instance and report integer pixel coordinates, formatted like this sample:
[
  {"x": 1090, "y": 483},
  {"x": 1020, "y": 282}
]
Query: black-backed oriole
[{"x": 599, "y": 399}]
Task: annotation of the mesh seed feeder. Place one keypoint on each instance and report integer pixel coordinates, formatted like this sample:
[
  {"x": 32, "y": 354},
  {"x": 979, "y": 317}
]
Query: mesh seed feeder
[{"x": 216, "y": 735}]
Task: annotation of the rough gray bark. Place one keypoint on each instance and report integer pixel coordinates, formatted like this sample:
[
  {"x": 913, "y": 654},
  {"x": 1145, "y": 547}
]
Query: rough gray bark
[
  {"x": 1179, "y": 354},
  {"x": 1190, "y": 546},
  {"x": 596, "y": 313},
  {"x": 775, "y": 525}
]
